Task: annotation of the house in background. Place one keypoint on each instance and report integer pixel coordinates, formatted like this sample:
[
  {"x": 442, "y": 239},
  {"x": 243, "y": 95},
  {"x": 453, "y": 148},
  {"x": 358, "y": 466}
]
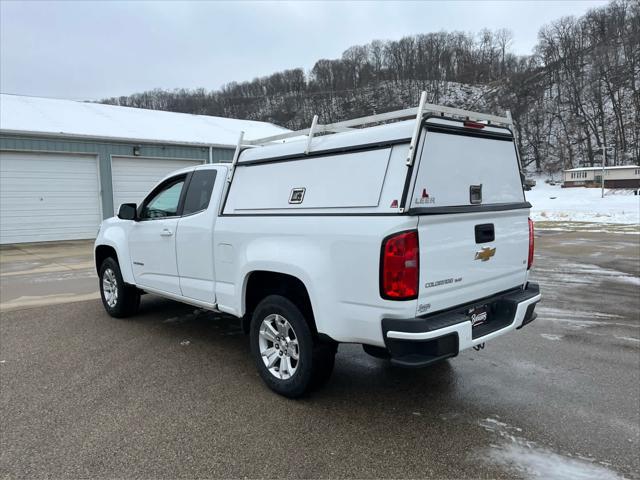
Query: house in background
[
  {"x": 627, "y": 176},
  {"x": 66, "y": 165}
]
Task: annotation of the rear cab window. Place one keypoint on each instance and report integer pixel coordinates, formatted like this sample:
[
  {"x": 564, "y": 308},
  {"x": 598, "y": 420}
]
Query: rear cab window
[{"x": 199, "y": 191}]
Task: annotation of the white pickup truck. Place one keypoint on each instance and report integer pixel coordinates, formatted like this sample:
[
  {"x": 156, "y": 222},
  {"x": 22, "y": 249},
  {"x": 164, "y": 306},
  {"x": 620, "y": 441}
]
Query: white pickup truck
[{"x": 412, "y": 238}]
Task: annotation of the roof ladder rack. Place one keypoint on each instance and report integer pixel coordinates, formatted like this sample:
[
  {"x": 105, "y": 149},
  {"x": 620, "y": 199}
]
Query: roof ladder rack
[
  {"x": 314, "y": 125},
  {"x": 416, "y": 113},
  {"x": 236, "y": 156},
  {"x": 405, "y": 114},
  {"x": 416, "y": 129}
]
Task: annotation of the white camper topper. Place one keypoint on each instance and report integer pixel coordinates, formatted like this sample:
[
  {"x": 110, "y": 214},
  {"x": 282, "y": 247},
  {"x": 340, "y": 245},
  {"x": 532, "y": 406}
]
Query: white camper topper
[
  {"x": 411, "y": 238},
  {"x": 365, "y": 172}
]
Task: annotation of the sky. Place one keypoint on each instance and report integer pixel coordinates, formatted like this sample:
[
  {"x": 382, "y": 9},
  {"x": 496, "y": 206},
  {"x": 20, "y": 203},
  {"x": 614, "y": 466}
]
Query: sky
[{"x": 93, "y": 49}]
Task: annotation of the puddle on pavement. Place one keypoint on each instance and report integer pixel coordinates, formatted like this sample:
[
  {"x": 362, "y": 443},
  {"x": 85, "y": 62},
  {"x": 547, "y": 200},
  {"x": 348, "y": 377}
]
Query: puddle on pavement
[{"x": 569, "y": 273}]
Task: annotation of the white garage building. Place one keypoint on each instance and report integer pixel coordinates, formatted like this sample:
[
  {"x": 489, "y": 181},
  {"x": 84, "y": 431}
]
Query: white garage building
[{"x": 66, "y": 165}]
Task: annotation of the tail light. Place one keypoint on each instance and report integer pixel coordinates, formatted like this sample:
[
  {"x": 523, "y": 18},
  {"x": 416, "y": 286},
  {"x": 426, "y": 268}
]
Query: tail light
[
  {"x": 399, "y": 266},
  {"x": 531, "y": 245}
]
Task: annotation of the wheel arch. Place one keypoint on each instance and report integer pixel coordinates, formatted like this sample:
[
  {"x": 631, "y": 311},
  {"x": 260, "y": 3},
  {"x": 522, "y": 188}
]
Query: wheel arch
[
  {"x": 259, "y": 284},
  {"x": 112, "y": 241},
  {"x": 102, "y": 252}
]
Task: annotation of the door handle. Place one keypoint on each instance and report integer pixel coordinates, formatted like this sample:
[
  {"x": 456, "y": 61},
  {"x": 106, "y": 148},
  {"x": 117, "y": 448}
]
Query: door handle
[{"x": 166, "y": 233}]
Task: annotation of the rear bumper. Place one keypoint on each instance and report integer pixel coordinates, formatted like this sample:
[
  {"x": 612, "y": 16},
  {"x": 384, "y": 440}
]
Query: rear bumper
[{"x": 420, "y": 341}]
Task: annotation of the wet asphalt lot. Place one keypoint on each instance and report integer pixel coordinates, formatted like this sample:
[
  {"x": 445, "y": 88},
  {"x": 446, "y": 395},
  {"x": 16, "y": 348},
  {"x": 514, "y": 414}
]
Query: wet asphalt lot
[{"x": 173, "y": 393}]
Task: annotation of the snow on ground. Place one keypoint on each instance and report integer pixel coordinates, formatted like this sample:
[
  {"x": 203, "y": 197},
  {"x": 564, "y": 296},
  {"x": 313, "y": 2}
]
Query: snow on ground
[
  {"x": 553, "y": 203},
  {"x": 534, "y": 461}
]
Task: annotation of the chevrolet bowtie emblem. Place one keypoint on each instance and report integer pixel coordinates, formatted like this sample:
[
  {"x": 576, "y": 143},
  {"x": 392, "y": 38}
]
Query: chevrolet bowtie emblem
[{"x": 485, "y": 254}]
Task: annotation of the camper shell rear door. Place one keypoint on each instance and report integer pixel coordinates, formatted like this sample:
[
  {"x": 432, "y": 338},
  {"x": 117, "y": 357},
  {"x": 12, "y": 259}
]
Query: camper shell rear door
[{"x": 473, "y": 217}]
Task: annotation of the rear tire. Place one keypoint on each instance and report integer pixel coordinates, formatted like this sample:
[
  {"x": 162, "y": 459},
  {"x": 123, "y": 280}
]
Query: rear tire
[
  {"x": 119, "y": 299},
  {"x": 289, "y": 357}
]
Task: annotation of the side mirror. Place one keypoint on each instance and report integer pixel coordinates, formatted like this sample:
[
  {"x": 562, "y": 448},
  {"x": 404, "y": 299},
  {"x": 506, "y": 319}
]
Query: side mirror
[{"x": 128, "y": 211}]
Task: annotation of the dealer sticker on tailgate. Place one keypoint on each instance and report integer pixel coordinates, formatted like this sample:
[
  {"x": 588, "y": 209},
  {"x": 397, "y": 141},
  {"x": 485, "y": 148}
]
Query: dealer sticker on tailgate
[{"x": 479, "y": 315}]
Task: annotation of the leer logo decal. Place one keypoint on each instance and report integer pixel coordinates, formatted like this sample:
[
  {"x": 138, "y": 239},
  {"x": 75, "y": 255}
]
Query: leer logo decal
[
  {"x": 485, "y": 254},
  {"x": 425, "y": 198}
]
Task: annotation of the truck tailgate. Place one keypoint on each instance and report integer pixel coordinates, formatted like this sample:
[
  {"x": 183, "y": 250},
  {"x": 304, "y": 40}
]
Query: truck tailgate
[{"x": 455, "y": 269}]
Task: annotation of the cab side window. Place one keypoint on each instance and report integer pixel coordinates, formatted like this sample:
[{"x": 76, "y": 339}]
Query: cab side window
[
  {"x": 164, "y": 202},
  {"x": 199, "y": 191}
]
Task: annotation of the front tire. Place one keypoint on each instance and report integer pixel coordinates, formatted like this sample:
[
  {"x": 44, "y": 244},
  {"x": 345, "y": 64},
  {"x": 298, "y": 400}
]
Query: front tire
[
  {"x": 290, "y": 360},
  {"x": 119, "y": 299}
]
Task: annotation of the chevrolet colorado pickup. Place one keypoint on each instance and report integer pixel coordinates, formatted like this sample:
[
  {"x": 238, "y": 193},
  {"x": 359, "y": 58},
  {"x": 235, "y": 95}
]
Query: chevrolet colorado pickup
[{"x": 412, "y": 238}]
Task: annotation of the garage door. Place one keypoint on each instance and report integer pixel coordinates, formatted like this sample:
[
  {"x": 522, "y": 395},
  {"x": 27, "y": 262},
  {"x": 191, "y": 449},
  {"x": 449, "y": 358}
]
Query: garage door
[
  {"x": 48, "y": 196},
  {"x": 134, "y": 177}
]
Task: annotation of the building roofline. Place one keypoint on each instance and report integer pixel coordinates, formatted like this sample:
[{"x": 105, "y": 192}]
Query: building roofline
[
  {"x": 586, "y": 169},
  {"x": 128, "y": 107},
  {"x": 71, "y": 136}
]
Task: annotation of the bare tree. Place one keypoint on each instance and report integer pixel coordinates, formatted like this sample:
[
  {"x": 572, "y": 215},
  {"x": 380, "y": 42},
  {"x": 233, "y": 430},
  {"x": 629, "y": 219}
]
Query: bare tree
[{"x": 578, "y": 90}]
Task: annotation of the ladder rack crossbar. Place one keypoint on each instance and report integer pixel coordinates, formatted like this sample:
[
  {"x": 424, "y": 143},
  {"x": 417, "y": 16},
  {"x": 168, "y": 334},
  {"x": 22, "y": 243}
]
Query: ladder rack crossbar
[{"x": 407, "y": 113}]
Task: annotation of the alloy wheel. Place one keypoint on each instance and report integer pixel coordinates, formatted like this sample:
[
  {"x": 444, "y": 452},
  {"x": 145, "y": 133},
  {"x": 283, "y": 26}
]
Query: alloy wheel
[
  {"x": 279, "y": 346},
  {"x": 110, "y": 287}
]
